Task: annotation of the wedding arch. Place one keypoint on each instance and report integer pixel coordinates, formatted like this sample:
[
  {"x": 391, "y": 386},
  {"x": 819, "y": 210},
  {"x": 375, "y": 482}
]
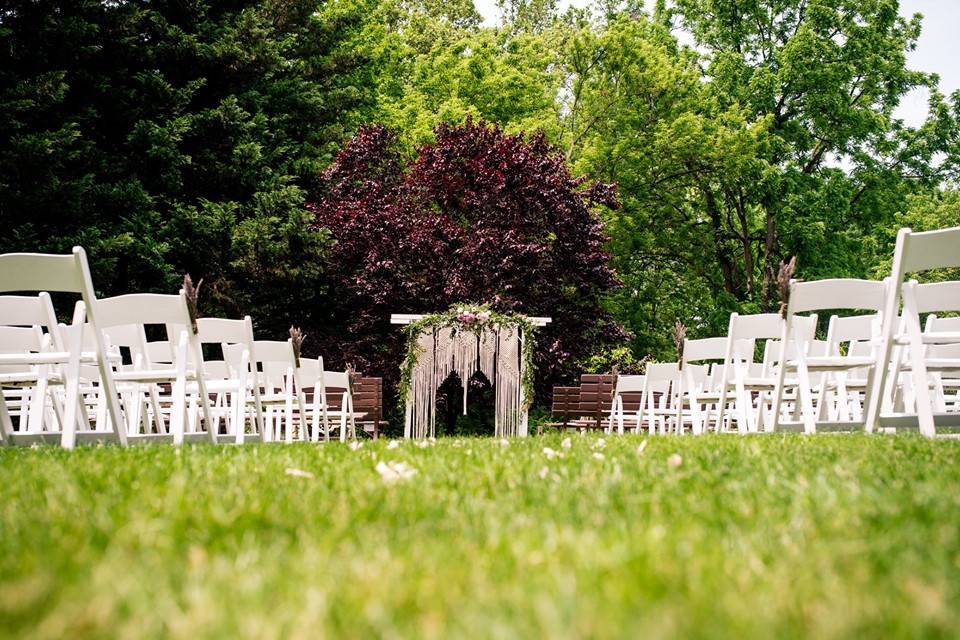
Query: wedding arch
[{"x": 466, "y": 339}]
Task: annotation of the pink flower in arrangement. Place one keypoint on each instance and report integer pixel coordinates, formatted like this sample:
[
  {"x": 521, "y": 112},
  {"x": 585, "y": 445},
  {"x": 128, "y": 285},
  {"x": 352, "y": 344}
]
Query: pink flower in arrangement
[{"x": 468, "y": 317}]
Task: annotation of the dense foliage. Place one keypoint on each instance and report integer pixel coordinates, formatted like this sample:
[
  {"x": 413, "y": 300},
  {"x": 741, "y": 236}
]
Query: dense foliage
[
  {"x": 172, "y": 137},
  {"x": 478, "y": 216}
]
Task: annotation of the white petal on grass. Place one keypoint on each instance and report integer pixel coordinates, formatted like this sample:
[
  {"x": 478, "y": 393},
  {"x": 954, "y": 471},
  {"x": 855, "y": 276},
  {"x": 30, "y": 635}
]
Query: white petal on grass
[
  {"x": 566, "y": 444},
  {"x": 298, "y": 473},
  {"x": 598, "y": 455},
  {"x": 641, "y": 447},
  {"x": 543, "y": 473},
  {"x": 550, "y": 453},
  {"x": 391, "y": 472},
  {"x": 674, "y": 460},
  {"x": 504, "y": 442},
  {"x": 600, "y": 443},
  {"x": 393, "y": 444},
  {"x": 355, "y": 444}
]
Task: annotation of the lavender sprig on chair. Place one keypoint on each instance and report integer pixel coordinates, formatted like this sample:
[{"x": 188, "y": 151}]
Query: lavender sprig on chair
[
  {"x": 296, "y": 338},
  {"x": 192, "y": 294},
  {"x": 679, "y": 336},
  {"x": 784, "y": 276}
]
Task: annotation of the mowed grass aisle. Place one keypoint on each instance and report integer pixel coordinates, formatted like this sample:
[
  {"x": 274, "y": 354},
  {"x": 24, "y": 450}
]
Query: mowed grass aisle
[{"x": 747, "y": 537}]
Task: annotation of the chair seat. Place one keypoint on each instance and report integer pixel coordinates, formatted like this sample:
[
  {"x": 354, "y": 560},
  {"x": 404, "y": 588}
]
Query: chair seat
[
  {"x": 936, "y": 364},
  {"x": 150, "y": 375},
  {"x": 834, "y": 363},
  {"x": 27, "y": 378}
]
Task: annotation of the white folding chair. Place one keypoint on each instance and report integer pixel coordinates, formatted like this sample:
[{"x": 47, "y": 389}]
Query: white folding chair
[
  {"x": 325, "y": 414},
  {"x": 657, "y": 403},
  {"x": 840, "y": 293},
  {"x": 626, "y": 386},
  {"x": 753, "y": 383},
  {"x": 22, "y": 272},
  {"x": 144, "y": 309},
  {"x": 916, "y": 253},
  {"x": 232, "y": 380},
  {"x": 703, "y": 396},
  {"x": 29, "y": 324},
  {"x": 280, "y": 388}
]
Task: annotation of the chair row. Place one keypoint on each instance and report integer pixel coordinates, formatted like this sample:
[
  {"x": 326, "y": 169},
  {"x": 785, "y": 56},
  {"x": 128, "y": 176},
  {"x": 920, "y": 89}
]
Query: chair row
[
  {"x": 888, "y": 359},
  {"x": 100, "y": 379}
]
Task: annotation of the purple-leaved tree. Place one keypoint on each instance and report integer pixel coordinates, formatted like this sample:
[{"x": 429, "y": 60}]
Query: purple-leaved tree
[{"x": 478, "y": 216}]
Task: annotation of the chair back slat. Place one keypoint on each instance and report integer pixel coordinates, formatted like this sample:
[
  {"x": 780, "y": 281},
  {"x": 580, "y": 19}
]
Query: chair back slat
[
  {"x": 938, "y": 296},
  {"x": 141, "y": 308},
  {"x": 40, "y": 272},
  {"x": 926, "y": 250},
  {"x": 837, "y": 293}
]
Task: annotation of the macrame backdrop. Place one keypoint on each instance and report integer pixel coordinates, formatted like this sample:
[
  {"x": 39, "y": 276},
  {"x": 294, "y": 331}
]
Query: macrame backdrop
[{"x": 495, "y": 352}]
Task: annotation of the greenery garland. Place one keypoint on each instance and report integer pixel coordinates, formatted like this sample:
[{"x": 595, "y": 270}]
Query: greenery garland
[{"x": 474, "y": 318}]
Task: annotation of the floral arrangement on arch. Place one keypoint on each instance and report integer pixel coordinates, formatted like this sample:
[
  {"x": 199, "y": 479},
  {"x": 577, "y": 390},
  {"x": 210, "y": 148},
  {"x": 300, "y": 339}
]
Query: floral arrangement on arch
[{"x": 475, "y": 318}]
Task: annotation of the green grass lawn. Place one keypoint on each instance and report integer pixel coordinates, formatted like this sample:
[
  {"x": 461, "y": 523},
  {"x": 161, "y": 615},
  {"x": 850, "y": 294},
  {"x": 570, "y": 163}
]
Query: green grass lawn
[{"x": 829, "y": 536}]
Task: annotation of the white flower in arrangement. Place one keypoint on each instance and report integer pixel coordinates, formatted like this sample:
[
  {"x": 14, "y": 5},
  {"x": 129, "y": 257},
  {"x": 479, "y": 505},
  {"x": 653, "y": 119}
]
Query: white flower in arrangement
[
  {"x": 543, "y": 473},
  {"x": 550, "y": 453},
  {"x": 393, "y": 444},
  {"x": 391, "y": 472},
  {"x": 483, "y": 316},
  {"x": 597, "y": 455},
  {"x": 567, "y": 443},
  {"x": 355, "y": 444}
]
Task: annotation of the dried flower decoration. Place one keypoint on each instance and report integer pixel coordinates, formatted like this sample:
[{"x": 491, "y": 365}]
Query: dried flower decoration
[
  {"x": 784, "y": 276},
  {"x": 679, "y": 336},
  {"x": 296, "y": 338},
  {"x": 192, "y": 294}
]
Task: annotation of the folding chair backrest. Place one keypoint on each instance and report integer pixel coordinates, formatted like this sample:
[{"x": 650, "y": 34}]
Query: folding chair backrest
[
  {"x": 160, "y": 351},
  {"x": 142, "y": 308},
  {"x": 131, "y": 336},
  {"x": 935, "y": 323},
  {"x": 629, "y": 383},
  {"x": 938, "y": 296},
  {"x": 837, "y": 293},
  {"x": 26, "y": 311},
  {"x": 275, "y": 357},
  {"x": 20, "y": 339},
  {"x": 849, "y": 328},
  {"x": 704, "y": 349},
  {"x": 660, "y": 375},
  {"x": 629, "y": 391},
  {"x": 43, "y": 272},
  {"x": 926, "y": 250},
  {"x": 760, "y": 326},
  {"x": 224, "y": 330}
]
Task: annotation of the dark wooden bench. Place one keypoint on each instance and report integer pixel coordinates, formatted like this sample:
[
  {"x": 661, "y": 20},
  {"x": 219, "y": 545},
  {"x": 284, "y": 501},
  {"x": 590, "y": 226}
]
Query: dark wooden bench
[
  {"x": 368, "y": 400},
  {"x": 596, "y": 397},
  {"x": 564, "y": 408}
]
